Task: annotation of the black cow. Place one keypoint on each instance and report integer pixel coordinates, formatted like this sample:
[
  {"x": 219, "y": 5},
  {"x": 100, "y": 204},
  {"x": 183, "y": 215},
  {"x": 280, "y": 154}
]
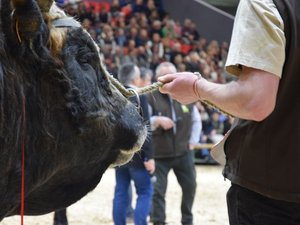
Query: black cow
[{"x": 57, "y": 101}]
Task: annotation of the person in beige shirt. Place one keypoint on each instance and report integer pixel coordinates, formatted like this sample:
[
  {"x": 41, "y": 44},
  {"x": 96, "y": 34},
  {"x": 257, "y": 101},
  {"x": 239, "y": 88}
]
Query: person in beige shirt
[
  {"x": 258, "y": 70},
  {"x": 263, "y": 170}
]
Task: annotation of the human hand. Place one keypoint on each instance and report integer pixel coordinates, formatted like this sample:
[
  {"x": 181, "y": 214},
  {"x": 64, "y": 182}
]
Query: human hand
[
  {"x": 164, "y": 122},
  {"x": 181, "y": 86},
  {"x": 150, "y": 165},
  {"x": 192, "y": 146}
]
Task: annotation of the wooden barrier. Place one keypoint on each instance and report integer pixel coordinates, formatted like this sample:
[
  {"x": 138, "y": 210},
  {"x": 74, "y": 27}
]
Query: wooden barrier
[
  {"x": 207, "y": 159},
  {"x": 200, "y": 146}
]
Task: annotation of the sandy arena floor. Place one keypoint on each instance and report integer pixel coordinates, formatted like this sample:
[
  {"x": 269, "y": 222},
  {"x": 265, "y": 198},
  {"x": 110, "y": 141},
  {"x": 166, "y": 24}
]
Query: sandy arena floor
[{"x": 96, "y": 207}]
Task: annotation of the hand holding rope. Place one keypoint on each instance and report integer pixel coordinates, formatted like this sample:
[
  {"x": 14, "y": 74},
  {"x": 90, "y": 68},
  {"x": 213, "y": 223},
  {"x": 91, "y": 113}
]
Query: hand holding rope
[{"x": 130, "y": 92}]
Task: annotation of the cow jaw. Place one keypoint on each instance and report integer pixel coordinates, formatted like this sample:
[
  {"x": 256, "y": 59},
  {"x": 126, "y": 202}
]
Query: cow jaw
[{"x": 126, "y": 155}]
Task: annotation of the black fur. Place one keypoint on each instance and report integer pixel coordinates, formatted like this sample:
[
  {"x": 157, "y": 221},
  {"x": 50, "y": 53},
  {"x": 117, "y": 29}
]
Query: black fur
[{"x": 76, "y": 123}]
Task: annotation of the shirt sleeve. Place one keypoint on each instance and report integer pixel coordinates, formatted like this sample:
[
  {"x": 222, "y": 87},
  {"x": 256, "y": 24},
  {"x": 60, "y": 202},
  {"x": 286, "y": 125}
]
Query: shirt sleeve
[
  {"x": 196, "y": 126},
  {"x": 258, "y": 39}
]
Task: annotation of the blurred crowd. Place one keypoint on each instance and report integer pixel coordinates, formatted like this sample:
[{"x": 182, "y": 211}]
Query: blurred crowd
[{"x": 143, "y": 33}]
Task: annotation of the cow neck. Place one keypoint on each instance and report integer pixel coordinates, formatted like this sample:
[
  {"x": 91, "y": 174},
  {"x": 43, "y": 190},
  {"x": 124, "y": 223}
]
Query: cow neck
[{"x": 23, "y": 135}]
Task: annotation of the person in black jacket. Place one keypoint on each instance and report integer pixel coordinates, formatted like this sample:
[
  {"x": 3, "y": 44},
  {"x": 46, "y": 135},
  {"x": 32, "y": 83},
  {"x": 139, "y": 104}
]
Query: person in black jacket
[{"x": 139, "y": 169}]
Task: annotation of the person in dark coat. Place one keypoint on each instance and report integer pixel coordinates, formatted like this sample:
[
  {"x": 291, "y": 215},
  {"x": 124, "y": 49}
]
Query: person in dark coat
[{"x": 139, "y": 169}]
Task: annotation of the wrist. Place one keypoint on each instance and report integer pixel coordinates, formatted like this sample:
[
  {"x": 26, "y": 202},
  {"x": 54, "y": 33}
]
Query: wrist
[{"x": 196, "y": 87}]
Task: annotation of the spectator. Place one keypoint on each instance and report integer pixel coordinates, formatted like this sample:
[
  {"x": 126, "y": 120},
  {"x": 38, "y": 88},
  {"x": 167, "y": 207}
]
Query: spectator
[
  {"x": 120, "y": 37},
  {"x": 143, "y": 20},
  {"x": 150, "y": 8},
  {"x": 126, "y": 10},
  {"x": 132, "y": 53},
  {"x": 146, "y": 77},
  {"x": 139, "y": 6},
  {"x": 168, "y": 30},
  {"x": 181, "y": 67},
  {"x": 138, "y": 169},
  {"x": 115, "y": 8},
  {"x": 143, "y": 37},
  {"x": 194, "y": 63},
  {"x": 175, "y": 51},
  {"x": 176, "y": 128},
  {"x": 157, "y": 48},
  {"x": 133, "y": 34},
  {"x": 85, "y": 13},
  {"x": 143, "y": 59},
  {"x": 156, "y": 28},
  {"x": 104, "y": 16},
  {"x": 201, "y": 45},
  {"x": 187, "y": 29}
]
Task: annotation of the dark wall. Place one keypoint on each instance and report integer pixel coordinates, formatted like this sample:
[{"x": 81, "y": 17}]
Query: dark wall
[{"x": 211, "y": 23}]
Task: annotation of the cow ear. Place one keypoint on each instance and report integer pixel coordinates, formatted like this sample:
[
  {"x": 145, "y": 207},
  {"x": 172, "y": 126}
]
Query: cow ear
[{"x": 45, "y": 5}]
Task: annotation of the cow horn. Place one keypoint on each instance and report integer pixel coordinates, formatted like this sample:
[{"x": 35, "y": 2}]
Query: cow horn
[{"x": 28, "y": 18}]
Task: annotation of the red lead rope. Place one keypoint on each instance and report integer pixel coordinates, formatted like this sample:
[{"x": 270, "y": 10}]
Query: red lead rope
[{"x": 23, "y": 160}]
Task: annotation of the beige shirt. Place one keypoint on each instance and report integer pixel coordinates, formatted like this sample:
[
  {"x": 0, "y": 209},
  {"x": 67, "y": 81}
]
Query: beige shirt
[{"x": 258, "y": 39}]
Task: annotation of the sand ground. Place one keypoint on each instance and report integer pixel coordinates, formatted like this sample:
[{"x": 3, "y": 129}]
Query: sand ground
[{"x": 96, "y": 207}]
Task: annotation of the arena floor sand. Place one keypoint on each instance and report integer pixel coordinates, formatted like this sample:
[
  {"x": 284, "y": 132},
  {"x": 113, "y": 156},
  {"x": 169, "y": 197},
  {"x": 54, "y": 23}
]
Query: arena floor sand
[{"x": 96, "y": 208}]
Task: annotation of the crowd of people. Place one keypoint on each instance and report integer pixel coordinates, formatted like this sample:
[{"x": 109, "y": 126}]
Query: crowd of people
[{"x": 143, "y": 33}]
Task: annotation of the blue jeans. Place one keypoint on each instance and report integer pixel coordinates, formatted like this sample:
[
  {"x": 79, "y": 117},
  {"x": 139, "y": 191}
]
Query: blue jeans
[
  {"x": 246, "y": 207},
  {"x": 144, "y": 190}
]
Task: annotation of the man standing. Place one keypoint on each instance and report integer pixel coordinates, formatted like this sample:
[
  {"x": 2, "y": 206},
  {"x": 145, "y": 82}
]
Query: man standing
[
  {"x": 138, "y": 169},
  {"x": 262, "y": 150},
  {"x": 176, "y": 128}
]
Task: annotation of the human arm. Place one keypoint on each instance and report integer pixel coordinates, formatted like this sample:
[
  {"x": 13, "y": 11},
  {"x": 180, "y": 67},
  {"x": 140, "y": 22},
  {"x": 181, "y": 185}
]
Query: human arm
[
  {"x": 150, "y": 165},
  {"x": 147, "y": 147},
  {"x": 157, "y": 121},
  {"x": 161, "y": 121},
  {"x": 256, "y": 56},
  {"x": 252, "y": 96}
]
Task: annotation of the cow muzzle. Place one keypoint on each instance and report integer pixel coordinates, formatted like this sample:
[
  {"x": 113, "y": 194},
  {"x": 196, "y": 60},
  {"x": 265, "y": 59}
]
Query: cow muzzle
[{"x": 130, "y": 131}]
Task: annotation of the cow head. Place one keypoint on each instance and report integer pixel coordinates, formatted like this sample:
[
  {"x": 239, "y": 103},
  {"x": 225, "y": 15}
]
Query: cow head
[{"x": 77, "y": 124}]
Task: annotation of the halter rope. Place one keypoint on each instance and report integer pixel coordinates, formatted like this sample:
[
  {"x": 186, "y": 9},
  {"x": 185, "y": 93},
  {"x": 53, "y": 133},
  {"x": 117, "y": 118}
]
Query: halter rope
[{"x": 129, "y": 92}]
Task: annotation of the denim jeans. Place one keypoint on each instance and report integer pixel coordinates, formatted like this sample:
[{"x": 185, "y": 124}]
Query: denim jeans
[
  {"x": 184, "y": 169},
  {"x": 144, "y": 190},
  {"x": 246, "y": 207}
]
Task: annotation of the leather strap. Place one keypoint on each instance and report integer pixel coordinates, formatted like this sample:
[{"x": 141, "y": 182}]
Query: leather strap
[{"x": 66, "y": 22}]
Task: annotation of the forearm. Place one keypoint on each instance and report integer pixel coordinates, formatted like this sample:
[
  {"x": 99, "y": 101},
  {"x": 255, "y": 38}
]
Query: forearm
[
  {"x": 227, "y": 97},
  {"x": 252, "y": 96},
  {"x": 249, "y": 97}
]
